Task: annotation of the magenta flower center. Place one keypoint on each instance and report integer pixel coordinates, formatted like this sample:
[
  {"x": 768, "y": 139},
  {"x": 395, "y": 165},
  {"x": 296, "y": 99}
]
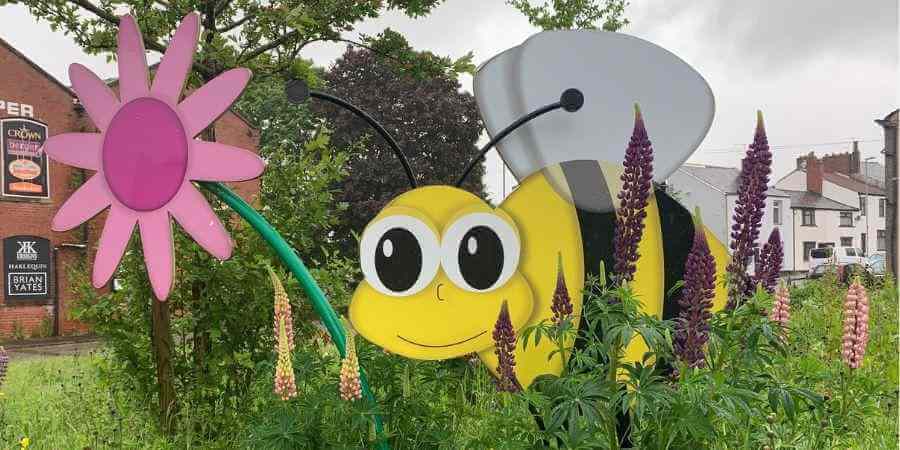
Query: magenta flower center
[{"x": 145, "y": 154}]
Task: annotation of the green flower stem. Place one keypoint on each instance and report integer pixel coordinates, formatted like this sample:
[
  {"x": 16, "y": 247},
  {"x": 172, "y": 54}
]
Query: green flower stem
[{"x": 307, "y": 282}]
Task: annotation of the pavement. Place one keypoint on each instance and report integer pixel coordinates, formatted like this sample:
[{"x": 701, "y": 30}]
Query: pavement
[{"x": 64, "y": 346}]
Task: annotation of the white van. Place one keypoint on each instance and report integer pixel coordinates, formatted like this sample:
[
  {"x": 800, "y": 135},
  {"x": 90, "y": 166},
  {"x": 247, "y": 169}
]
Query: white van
[{"x": 835, "y": 255}]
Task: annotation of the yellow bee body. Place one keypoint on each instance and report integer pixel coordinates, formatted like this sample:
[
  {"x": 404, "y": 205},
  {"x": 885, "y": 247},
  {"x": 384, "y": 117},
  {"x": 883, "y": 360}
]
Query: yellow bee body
[{"x": 445, "y": 317}]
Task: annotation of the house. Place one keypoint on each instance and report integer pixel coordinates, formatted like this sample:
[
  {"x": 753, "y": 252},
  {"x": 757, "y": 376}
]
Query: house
[
  {"x": 840, "y": 205},
  {"x": 36, "y": 284},
  {"x": 714, "y": 190}
]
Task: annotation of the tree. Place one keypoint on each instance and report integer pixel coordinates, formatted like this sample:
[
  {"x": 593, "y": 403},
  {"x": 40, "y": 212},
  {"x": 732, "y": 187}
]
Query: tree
[
  {"x": 574, "y": 14},
  {"x": 265, "y": 36},
  {"x": 436, "y": 125}
]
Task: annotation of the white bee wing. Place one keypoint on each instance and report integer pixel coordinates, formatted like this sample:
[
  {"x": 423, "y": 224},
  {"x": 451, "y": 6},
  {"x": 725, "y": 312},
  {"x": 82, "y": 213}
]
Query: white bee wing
[{"x": 614, "y": 71}]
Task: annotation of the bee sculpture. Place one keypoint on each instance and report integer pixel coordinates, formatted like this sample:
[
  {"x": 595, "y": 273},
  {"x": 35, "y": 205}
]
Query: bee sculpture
[{"x": 438, "y": 262}]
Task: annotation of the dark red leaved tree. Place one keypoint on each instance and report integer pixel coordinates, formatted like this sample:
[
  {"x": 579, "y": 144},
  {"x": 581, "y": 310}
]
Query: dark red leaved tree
[{"x": 435, "y": 124}]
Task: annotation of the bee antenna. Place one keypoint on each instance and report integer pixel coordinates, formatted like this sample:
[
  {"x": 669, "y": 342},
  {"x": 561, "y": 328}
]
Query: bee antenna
[
  {"x": 298, "y": 92},
  {"x": 571, "y": 100}
]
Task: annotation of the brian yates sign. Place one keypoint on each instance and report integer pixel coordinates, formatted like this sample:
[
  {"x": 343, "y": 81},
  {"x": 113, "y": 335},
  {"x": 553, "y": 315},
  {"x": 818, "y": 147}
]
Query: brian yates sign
[
  {"x": 26, "y": 268},
  {"x": 25, "y": 165}
]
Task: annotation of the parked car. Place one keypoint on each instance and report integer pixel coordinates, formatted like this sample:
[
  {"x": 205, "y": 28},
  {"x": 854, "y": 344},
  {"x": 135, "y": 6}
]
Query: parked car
[
  {"x": 876, "y": 264},
  {"x": 843, "y": 272},
  {"x": 835, "y": 256}
]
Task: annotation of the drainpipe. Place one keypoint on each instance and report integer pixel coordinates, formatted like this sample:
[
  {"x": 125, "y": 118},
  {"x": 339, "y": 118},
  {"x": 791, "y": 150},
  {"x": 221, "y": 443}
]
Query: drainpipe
[
  {"x": 56, "y": 307},
  {"x": 794, "y": 238}
]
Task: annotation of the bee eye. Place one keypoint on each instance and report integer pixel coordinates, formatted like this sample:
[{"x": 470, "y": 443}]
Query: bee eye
[
  {"x": 399, "y": 255},
  {"x": 480, "y": 252}
]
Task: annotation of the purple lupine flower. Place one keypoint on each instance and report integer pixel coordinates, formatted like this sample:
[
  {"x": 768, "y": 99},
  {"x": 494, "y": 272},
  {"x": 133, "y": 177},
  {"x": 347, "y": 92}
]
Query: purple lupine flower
[
  {"x": 768, "y": 267},
  {"x": 748, "y": 212},
  {"x": 692, "y": 325},
  {"x": 4, "y": 363},
  {"x": 562, "y": 304},
  {"x": 505, "y": 346},
  {"x": 636, "y": 182}
]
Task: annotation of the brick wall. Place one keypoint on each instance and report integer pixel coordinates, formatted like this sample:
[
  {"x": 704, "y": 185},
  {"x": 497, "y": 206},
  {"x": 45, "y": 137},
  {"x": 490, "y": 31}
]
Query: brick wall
[{"x": 52, "y": 103}]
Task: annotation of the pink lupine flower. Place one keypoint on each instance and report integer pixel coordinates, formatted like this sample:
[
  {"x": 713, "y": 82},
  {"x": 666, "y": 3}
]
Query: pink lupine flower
[
  {"x": 781, "y": 308},
  {"x": 856, "y": 325},
  {"x": 285, "y": 385},
  {"x": 505, "y": 346},
  {"x": 562, "y": 304},
  {"x": 350, "y": 387}
]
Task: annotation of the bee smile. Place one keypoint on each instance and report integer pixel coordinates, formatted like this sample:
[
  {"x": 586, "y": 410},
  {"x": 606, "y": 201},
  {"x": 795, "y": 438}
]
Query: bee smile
[{"x": 441, "y": 346}]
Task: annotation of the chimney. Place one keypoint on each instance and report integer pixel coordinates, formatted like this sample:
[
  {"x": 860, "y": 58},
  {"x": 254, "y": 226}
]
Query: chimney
[
  {"x": 813, "y": 174},
  {"x": 854, "y": 158}
]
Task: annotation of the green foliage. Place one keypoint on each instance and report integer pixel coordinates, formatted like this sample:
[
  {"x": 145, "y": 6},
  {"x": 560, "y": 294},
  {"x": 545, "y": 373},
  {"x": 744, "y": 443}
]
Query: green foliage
[
  {"x": 59, "y": 402},
  {"x": 265, "y": 36},
  {"x": 574, "y": 14},
  {"x": 756, "y": 390},
  {"x": 419, "y": 64}
]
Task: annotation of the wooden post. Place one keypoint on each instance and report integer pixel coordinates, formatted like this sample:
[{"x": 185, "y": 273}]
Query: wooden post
[
  {"x": 889, "y": 123},
  {"x": 161, "y": 338}
]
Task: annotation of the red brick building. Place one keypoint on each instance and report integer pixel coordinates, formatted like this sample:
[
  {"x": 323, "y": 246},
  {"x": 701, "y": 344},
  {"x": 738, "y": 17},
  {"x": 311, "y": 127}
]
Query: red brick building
[{"x": 29, "y": 93}]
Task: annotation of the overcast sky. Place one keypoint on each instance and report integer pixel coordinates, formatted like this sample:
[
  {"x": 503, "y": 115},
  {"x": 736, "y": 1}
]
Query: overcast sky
[{"x": 821, "y": 70}]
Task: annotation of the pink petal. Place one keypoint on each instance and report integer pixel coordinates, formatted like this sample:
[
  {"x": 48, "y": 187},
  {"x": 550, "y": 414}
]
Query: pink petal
[
  {"x": 98, "y": 99},
  {"x": 91, "y": 198},
  {"x": 209, "y": 102},
  {"x": 194, "y": 214},
  {"x": 75, "y": 149},
  {"x": 132, "y": 61},
  {"x": 173, "y": 69},
  {"x": 113, "y": 241},
  {"x": 211, "y": 161},
  {"x": 159, "y": 251}
]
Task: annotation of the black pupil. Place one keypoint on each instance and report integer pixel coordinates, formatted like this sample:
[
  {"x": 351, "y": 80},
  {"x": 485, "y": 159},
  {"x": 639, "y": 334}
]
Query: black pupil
[
  {"x": 480, "y": 257},
  {"x": 398, "y": 259}
]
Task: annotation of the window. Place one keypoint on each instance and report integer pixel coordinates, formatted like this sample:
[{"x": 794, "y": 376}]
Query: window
[
  {"x": 881, "y": 241},
  {"x": 850, "y": 251},
  {"x": 863, "y": 205},
  {"x": 882, "y": 205},
  {"x": 865, "y": 243},
  {"x": 809, "y": 217},
  {"x": 776, "y": 212},
  {"x": 847, "y": 242},
  {"x": 808, "y": 247},
  {"x": 846, "y": 219}
]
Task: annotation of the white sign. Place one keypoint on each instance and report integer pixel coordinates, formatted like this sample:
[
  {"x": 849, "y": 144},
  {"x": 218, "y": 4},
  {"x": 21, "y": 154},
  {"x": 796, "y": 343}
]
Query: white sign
[{"x": 16, "y": 109}]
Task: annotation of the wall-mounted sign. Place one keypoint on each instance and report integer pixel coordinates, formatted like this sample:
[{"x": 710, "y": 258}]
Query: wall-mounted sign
[
  {"x": 27, "y": 268},
  {"x": 16, "y": 108},
  {"x": 25, "y": 165}
]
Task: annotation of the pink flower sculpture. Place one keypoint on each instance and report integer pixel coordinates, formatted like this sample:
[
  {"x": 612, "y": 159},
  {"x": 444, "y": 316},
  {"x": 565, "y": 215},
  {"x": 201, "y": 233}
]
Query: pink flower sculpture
[
  {"x": 856, "y": 325},
  {"x": 145, "y": 155}
]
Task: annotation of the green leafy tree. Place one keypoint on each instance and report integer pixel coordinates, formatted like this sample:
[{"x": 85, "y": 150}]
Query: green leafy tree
[
  {"x": 608, "y": 15},
  {"x": 266, "y": 36},
  {"x": 435, "y": 124}
]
